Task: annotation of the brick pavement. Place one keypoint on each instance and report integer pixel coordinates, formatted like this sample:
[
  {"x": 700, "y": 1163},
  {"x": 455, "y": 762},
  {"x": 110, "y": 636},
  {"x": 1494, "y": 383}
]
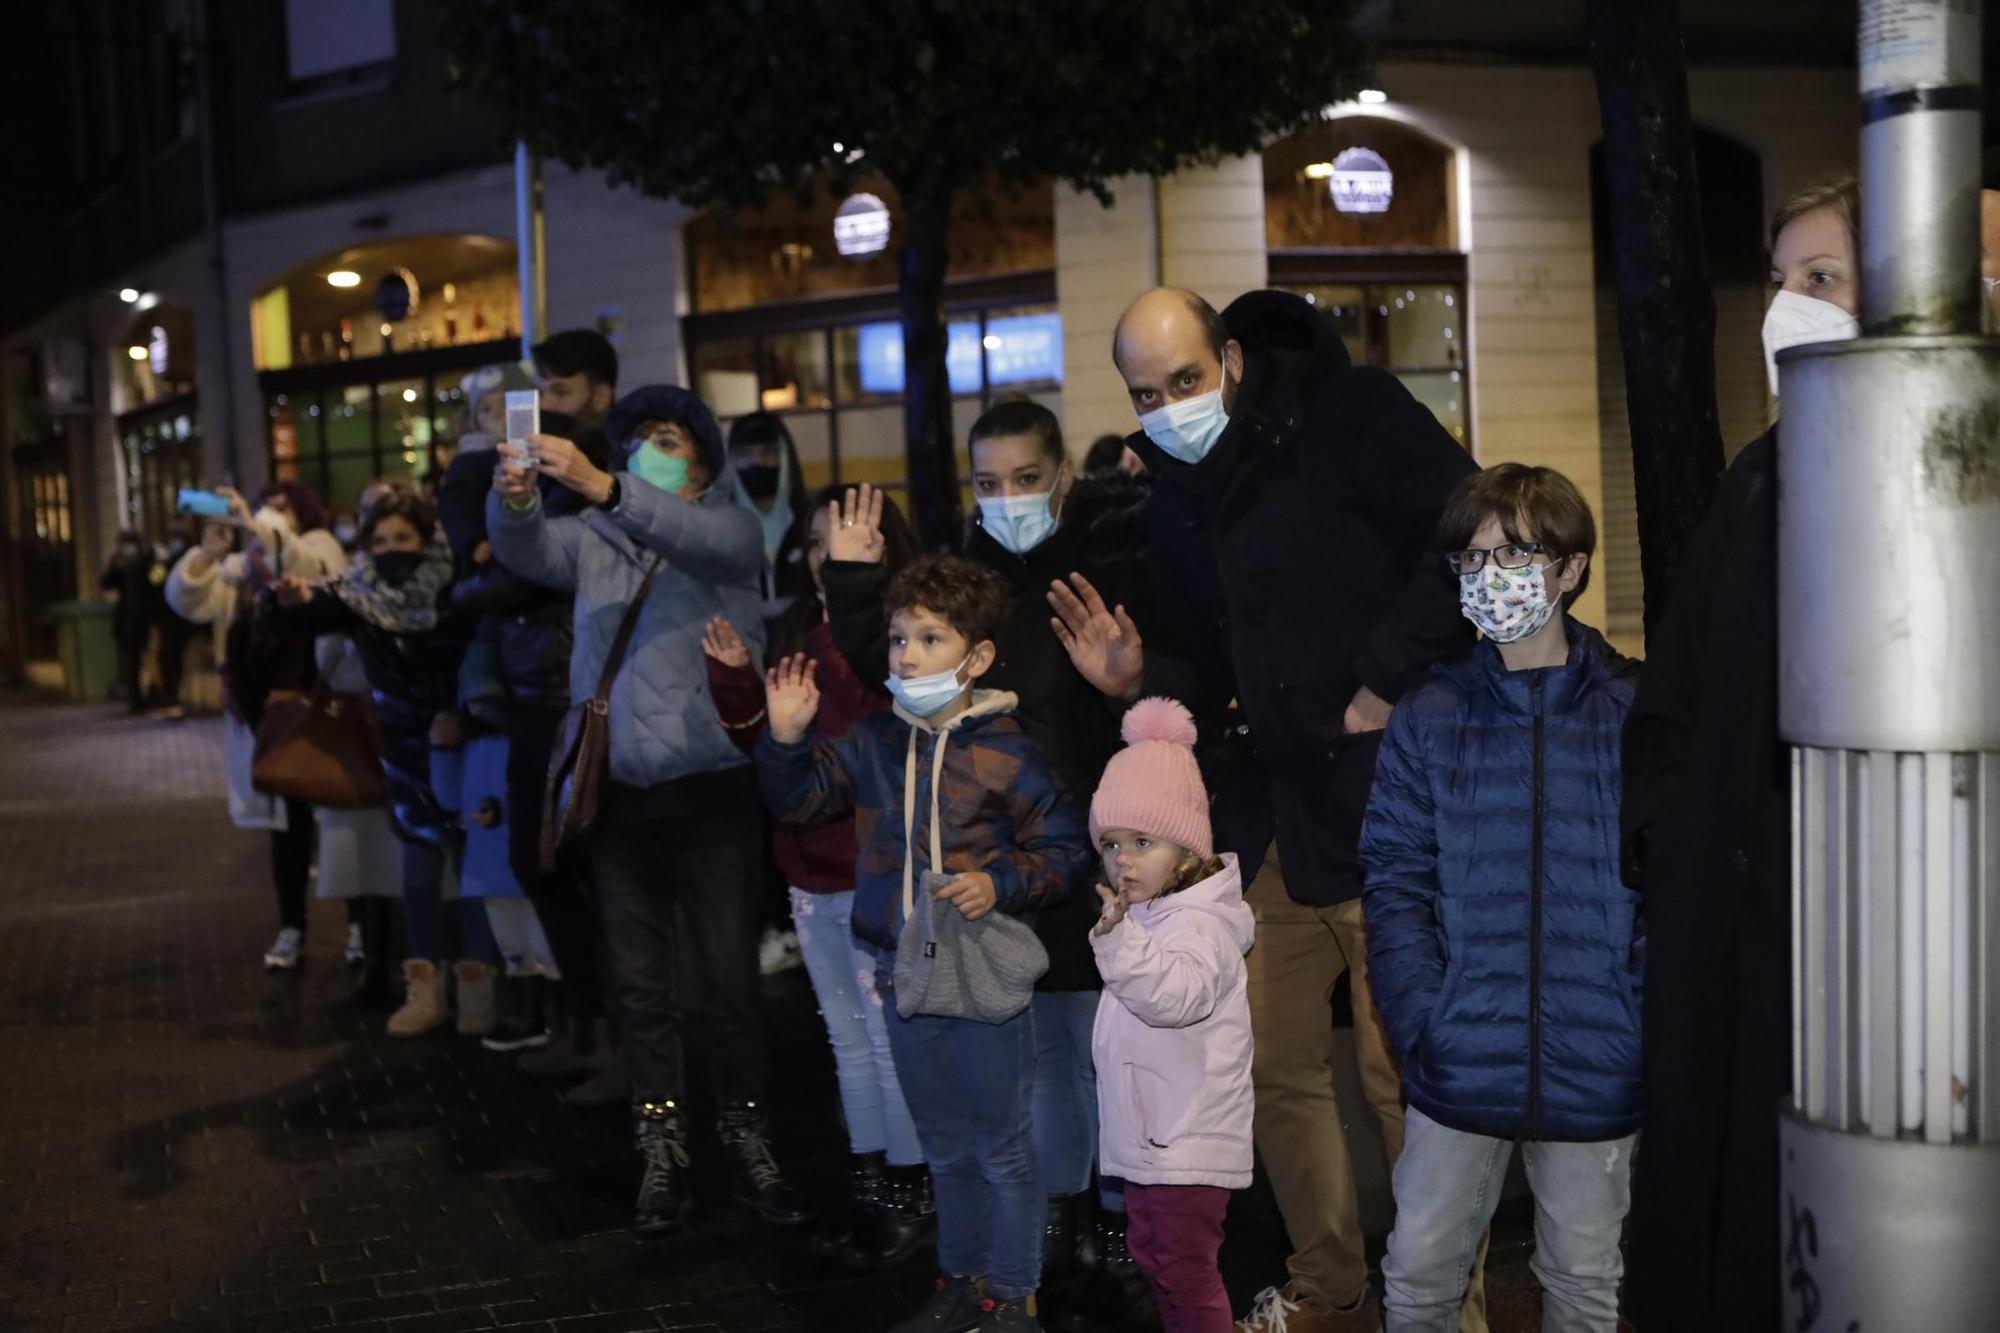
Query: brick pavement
[{"x": 188, "y": 1142}]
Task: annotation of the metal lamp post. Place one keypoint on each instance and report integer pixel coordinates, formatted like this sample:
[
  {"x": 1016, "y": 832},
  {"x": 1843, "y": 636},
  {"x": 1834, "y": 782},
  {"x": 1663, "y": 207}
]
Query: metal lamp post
[{"x": 1889, "y": 694}]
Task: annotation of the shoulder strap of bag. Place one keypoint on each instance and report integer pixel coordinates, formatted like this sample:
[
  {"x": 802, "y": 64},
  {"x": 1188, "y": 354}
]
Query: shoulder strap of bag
[{"x": 622, "y": 640}]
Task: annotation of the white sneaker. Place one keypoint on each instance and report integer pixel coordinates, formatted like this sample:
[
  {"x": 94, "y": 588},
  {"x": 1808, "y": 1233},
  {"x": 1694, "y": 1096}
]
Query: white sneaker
[
  {"x": 356, "y": 952},
  {"x": 286, "y": 951}
]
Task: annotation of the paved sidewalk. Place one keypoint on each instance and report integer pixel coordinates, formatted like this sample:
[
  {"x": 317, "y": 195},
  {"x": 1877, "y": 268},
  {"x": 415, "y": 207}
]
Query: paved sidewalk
[{"x": 187, "y": 1141}]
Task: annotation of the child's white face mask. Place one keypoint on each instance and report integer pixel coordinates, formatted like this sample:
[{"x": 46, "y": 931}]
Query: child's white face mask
[{"x": 1507, "y": 605}]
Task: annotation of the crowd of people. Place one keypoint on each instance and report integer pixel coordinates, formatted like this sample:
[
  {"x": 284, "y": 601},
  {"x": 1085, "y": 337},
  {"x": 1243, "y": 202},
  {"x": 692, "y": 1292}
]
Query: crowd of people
[{"x": 1081, "y": 824}]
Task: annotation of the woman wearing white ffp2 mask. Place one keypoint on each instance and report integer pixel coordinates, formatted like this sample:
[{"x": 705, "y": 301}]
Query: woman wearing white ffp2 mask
[{"x": 1815, "y": 276}]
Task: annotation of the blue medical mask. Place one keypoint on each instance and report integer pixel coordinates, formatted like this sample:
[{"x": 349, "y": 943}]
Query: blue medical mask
[
  {"x": 1018, "y": 522},
  {"x": 668, "y": 472},
  {"x": 1187, "y": 430},
  {"x": 922, "y": 696}
]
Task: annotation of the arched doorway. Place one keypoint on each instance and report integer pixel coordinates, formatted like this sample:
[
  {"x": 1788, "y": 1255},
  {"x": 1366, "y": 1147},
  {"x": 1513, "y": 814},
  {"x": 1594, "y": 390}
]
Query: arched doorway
[
  {"x": 359, "y": 353},
  {"x": 1361, "y": 218}
]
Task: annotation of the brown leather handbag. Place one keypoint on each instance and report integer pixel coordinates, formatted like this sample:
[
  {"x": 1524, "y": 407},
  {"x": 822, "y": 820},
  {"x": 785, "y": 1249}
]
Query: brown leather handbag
[
  {"x": 583, "y": 752},
  {"x": 319, "y": 746}
]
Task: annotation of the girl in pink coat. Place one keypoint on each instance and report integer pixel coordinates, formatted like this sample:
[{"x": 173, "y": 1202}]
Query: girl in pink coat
[{"x": 1172, "y": 1040}]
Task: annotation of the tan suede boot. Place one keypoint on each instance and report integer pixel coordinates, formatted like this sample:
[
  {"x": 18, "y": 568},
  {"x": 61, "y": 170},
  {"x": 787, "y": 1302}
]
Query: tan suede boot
[{"x": 423, "y": 1000}]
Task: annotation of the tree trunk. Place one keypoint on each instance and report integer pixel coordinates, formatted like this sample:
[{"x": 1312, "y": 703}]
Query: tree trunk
[
  {"x": 929, "y": 448},
  {"x": 1666, "y": 305}
]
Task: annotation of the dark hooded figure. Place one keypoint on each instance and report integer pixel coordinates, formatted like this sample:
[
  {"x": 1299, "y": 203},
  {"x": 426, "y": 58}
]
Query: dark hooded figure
[{"x": 679, "y": 837}]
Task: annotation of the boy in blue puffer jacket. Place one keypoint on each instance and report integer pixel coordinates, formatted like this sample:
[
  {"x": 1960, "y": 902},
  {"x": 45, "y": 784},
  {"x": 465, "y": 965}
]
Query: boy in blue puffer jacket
[{"x": 1504, "y": 950}]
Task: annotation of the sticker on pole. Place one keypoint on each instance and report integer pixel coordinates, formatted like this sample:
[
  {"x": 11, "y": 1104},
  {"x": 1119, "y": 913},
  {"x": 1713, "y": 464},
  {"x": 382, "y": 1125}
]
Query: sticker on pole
[{"x": 1911, "y": 44}]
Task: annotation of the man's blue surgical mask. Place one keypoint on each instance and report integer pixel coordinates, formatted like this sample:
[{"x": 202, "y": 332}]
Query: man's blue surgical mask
[
  {"x": 921, "y": 696},
  {"x": 1018, "y": 522},
  {"x": 668, "y": 472},
  {"x": 1187, "y": 430}
]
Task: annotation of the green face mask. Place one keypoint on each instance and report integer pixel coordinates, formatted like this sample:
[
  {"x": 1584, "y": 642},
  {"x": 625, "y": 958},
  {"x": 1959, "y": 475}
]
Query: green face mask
[{"x": 668, "y": 472}]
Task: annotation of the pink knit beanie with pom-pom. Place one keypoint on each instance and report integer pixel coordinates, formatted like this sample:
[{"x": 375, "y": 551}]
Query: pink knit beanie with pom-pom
[{"x": 1153, "y": 784}]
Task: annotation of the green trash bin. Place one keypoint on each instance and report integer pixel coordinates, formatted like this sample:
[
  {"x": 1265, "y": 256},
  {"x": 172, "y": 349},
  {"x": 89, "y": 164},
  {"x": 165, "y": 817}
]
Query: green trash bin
[{"x": 88, "y": 650}]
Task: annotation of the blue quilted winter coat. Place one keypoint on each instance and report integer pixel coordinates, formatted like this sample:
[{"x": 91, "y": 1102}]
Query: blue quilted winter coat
[{"x": 1504, "y": 952}]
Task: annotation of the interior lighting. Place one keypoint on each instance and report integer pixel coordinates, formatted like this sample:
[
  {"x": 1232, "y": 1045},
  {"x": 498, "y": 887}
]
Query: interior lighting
[
  {"x": 1371, "y": 97},
  {"x": 343, "y": 277},
  {"x": 409, "y": 395},
  {"x": 128, "y": 294},
  {"x": 136, "y": 352},
  {"x": 1318, "y": 171}
]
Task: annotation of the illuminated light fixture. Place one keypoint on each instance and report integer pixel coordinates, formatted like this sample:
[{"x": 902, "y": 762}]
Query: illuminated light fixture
[
  {"x": 137, "y": 353},
  {"x": 1371, "y": 97},
  {"x": 861, "y": 226},
  {"x": 1362, "y": 183},
  {"x": 387, "y": 330},
  {"x": 1319, "y": 171},
  {"x": 992, "y": 342},
  {"x": 840, "y": 148},
  {"x": 409, "y": 395},
  {"x": 128, "y": 294},
  {"x": 343, "y": 277}
]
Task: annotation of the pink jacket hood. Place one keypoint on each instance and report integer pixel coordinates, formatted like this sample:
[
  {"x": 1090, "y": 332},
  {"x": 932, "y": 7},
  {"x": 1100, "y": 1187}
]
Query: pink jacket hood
[{"x": 1172, "y": 1038}]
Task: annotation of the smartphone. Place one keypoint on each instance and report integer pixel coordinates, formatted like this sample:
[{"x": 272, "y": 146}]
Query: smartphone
[
  {"x": 524, "y": 420},
  {"x": 206, "y": 504}
]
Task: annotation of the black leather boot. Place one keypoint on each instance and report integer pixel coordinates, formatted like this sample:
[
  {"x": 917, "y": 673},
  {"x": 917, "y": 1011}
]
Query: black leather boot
[
  {"x": 659, "y": 1132},
  {"x": 865, "y": 1190},
  {"x": 746, "y": 1136},
  {"x": 895, "y": 1230},
  {"x": 1119, "y": 1296},
  {"x": 1059, "y": 1238}
]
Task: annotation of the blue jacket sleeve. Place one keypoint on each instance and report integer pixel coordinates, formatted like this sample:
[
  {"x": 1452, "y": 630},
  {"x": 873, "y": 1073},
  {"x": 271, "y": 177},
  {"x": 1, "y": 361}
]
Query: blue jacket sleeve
[
  {"x": 1399, "y": 855},
  {"x": 806, "y": 783},
  {"x": 1050, "y": 855},
  {"x": 719, "y": 543},
  {"x": 533, "y": 545}
]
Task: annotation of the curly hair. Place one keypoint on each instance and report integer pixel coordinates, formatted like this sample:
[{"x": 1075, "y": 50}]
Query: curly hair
[{"x": 966, "y": 595}]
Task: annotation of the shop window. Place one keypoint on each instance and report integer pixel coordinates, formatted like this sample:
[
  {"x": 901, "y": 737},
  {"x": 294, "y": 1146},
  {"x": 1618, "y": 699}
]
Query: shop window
[
  {"x": 1416, "y": 331},
  {"x": 334, "y": 46},
  {"x": 790, "y": 250},
  {"x": 162, "y": 454},
  {"x": 158, "y": 355},
  {"x": 412, "y": 294}
]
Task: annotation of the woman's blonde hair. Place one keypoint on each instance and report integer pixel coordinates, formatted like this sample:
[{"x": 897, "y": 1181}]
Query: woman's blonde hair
[{"x": 1842, "y": 194}]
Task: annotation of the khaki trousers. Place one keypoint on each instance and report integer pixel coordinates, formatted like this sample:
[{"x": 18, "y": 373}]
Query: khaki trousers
[{"x": 1299, "y": 956}]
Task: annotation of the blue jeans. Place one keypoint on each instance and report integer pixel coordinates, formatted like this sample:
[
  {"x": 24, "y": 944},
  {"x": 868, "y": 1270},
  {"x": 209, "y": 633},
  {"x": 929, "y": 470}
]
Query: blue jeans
[
  {"x": 968, "y": 1085},
  {"x": 1447, "y": 1185},
  {"x": 423, "y": 909},
  {"x": 842, "y": 969},
  {"x": 1066, "y": 1096}
]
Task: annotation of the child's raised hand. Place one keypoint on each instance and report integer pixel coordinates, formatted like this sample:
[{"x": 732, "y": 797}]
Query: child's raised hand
[
  {"x": 1116, "y": 905},
  {"x": 972, "y": 894},
  {"x": 854, "y": 527},
  {"x": 721, "y": 642},
  {"x": 791, "y": 698}
]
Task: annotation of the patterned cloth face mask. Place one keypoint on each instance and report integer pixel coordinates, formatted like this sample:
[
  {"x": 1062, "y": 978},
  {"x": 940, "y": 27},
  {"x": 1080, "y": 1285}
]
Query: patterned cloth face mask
[{"x": 1507, "y": 605}]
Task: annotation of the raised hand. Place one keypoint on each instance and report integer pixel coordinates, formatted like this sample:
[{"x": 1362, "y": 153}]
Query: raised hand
[
  {"x": 1116, "y": 905},
  {"x": 791, "y": 698},
  {"x": 971, "y": 893},
  {"x": 293, "y": 592},
  {"x": 854, "y": 527},
  {"x": 559, "y": 458},
  {"x": 1103, "y": 644},
  {"x": 514, "y": 480},
  {"x": 720, "y": 641},
  {"x": 239, "y": 508}
]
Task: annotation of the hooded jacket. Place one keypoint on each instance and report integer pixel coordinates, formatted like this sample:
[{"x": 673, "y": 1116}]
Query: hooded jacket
[
  {"x": 976, "y": 778},
  {"x": 1505, "y": 954},
  {"x": 663, "y": 721},
  {"x": 1172, "y": 1038},
  {"x": 1293, "y": 564},
  {"x": 1102, "y": 536}
]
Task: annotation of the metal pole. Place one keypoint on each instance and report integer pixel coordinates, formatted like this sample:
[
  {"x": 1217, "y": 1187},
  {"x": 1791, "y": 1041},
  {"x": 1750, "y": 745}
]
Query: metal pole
[
  {"x": 530, "y": 236},
  {"x": 1889, "y": 632},
  {"x": 222, "y": 404}
]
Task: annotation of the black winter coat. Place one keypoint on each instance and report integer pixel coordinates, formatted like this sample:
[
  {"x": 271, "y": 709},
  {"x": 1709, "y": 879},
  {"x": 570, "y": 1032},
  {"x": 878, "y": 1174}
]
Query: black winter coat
[
  {"x": 1102, "y": 536},
  {"x": 532, "y": 626},
  {"x": 1294, "y": 564},
  {"x": 1707, "y": 820}
]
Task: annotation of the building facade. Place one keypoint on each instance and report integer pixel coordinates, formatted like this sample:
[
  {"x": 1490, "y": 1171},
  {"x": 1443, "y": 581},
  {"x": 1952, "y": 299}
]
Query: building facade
[{"x": 329, "y": 246}]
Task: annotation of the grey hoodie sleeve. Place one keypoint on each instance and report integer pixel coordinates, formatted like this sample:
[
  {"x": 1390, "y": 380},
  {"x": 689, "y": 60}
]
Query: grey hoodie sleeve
[{"x": 714, "y": 540}]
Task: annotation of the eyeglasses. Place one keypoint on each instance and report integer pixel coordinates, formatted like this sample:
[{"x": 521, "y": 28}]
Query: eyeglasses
[{"x": 1514, "y": 555}]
